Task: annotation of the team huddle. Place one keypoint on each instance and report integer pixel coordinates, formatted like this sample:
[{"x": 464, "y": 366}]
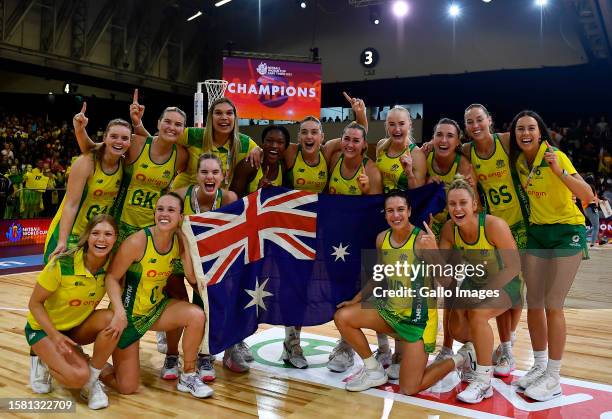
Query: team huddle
[{"x": 117, "y": 232}]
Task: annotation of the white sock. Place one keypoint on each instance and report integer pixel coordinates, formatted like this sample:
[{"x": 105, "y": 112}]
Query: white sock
[
  {"x": 513, "y": 337},
  {"x": 484, "y": 373},
  {"x": 553, "y": 368},
  {"x": 540, "y": 358},
  {"x": 507, "y": 346},
  {"x": 290, "y": 333},
  {"x": 446, "y": 350},
  {"x": 94, "y": 374},
  {"x": 458, "y": 360},
  {"x": 383, "y": 342},
  {"x": 371, "y": 363}
]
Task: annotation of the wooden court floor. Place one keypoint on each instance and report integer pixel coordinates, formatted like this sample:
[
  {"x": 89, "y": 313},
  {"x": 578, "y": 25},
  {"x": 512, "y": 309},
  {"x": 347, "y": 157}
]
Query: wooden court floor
[{"x": 588, "y": 356}]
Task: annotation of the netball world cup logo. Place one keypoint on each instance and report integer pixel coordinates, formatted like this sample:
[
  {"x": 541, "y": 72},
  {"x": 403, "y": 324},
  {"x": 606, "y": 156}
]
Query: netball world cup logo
[{"x": 15, "y": 232}]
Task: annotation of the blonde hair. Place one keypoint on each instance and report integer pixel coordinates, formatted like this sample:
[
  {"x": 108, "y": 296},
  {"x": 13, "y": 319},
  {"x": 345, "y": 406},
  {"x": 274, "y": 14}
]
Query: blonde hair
[
  {"x": 84, "y": 237},
  {"x": 397, "y": 108},
  {"x": 460, "y": 182},
  {"x": 234, "y": 136}
]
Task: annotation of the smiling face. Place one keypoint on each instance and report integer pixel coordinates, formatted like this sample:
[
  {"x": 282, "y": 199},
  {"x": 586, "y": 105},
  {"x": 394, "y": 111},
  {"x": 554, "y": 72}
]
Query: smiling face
[
  {"x": 461, "y": 205},
  {"x": 273, "y": 146},
  {"x": 527, "y": 134},
  {"x": 171, "y": 126},
  {"x": 446, "y": 139},
  {"x": 353, "y": 144},
  {"x": 310, "y": 137},
  {"x": 117, "y": 140},
  {"x": 398, "y": 125},
  {"x": 209, "y": 176},
  {"x": 168, "y": 213},
  {"x": 101, "y": 239},
  {"x": 223, "y": 118},
  {"x": 397, "y": 212},
  {"x": 477, "y": 123}
]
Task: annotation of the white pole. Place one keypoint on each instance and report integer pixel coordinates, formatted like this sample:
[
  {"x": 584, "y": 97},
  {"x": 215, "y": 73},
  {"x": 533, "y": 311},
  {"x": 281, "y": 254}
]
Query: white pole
[{"x": 198, "y": 107}]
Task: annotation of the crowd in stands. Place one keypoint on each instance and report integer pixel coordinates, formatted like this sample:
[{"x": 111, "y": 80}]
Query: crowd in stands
[{"x": 36, "y": 154}]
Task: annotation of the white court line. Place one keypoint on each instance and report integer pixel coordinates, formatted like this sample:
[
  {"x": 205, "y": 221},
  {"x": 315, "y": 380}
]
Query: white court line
[{"x": 14, "y": 309}]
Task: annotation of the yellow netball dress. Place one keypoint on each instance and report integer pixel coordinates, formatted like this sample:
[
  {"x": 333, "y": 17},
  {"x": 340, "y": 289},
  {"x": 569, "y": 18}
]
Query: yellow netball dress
[
  {"x": 191, "y": 205},
  {"x": 440, "y": 218},
  {"x": 143, "y": 297},
  {"x": 339, "y": 185},
  {"x": 76, "y": 293},
  {"x": 495, "y": 178},
  {"x": 193, "y": 139},
  {"x": 413, "y": 318},
  {"x": 305, "y": 177},
  {"x": 278, "y": 181},
  {"x": 98, "y": 197},
  {"x": 143, "y": 183},
  {"x": 391, "y": 170},
  {"x": 483, "y": 252}
]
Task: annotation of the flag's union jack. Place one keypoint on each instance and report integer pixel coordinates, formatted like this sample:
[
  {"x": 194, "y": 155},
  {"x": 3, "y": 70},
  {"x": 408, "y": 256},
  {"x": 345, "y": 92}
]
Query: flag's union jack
[{"x": 222, "y": 236}]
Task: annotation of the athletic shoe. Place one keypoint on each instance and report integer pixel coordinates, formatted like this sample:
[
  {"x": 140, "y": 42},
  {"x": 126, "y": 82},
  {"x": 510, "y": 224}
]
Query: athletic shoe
[
  {"x": 467, "y": 370},
  {"x": 505, "y": 365},
  {"x": 162, "y": 343},
  {"x": 384, "y": 357},
  {"x": 341, "y": 358},
  {"x": 393, "y": 372},
  {"x": 442, "y": 355},
  {"x": 475, "y": 392},
  {"x": 497, "y": 353},
  {"x": 95, "y": 396},
  {"x": 367, "y": 379},
  {"x": 206, "y": 368},
  {"x": 40, "y": 378},
  {"x": 528, "y": 379},
  {"x": 170, "y": 370},
  {"x": 234, "y": 361},
  {"x": 191, "y": 383},
  {"x": 545, "y": 387},
  {"x": 293, "y": 354},
  {"x": 245, "y": 350}
]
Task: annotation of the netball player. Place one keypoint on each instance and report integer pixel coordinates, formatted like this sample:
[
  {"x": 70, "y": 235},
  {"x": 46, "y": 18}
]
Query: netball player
[
  {"x": 56, "y": 326},
  {"x": 483, "y": 240},
  {"x": 94, "y": 186},
  {"x": 556, "y": 243},
  {"x": 147, "y": 258}
]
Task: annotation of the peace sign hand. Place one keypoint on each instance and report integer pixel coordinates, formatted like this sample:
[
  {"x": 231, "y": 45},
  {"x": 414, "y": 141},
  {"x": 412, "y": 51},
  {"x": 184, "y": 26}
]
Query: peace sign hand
[
  {"x": 136, "y": 110},
  {"x": 80, "y": 120},
  {"x": 428, "y": 240},
  {"x": 357, "y": 105},
  {"x": 406, "y": 161},
  {"x": 364, "y": 181},
  {"x": 551, "y": 158}
]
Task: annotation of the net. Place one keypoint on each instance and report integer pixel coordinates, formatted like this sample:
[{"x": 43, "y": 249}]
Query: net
[{"x": 215, "y": 89}]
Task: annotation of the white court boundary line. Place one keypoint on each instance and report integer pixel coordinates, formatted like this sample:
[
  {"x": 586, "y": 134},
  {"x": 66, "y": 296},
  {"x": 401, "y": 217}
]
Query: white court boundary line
[{"x": 14, "y": 309}]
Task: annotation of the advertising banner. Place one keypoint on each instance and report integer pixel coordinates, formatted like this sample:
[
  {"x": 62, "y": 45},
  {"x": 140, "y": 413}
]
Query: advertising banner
[
  {"x": 268, "y": 89},
  {"x": 23, "y": 232}
]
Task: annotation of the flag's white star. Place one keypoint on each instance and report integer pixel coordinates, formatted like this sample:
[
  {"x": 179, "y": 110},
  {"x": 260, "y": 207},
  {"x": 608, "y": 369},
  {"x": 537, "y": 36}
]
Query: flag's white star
[
  {"x": 258, "y": 294},
  {"x": 340, "y": 252}
]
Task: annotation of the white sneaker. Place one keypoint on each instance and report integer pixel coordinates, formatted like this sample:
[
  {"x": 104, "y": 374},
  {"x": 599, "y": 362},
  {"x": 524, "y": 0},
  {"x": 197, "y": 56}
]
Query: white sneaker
[
  {"x": 505, "y": 365},
  {"x": 544, "y": 388},
  {"x": 467, "y": 370},
  {"x": 234, "y": 360},
  {"x": 442, "y": 355},
  {"x": 341, "y": 358},
  {"x": 40, "y": 378},
  {"x": 383, "y": 357},
  {"x": 476, "y": 391},
  {"x": 497, "y": 353},
  {"x": 95, "y": 396},
  {"x": 162, "y": 343},
  {"x": 293, "y": 354},
  {"x": 393, "y": 372},
  {"x": 191, "y": 383},
  {"x": 170, "y": 370},
  {"x": 367, "y": 379},
  {"x": 528, "y": 379},
  {"x": 245, "y": 351},
  {"x": 206, "y": 368}
]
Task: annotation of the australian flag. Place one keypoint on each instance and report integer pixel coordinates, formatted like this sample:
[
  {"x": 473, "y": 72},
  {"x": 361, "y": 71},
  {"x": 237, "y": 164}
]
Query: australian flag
[{"x": 285, "y": 257}]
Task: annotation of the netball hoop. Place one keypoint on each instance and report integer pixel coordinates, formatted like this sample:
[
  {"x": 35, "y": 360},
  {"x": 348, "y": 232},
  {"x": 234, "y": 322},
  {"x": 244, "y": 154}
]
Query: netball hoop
[{"x": 214, "y": 90}]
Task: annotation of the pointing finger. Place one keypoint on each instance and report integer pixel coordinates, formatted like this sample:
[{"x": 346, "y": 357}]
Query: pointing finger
[
  {"x": 347, "y": 97},
  {"x": 135, "y": 97},
  {"x": 84, "y": 108},
  {"x": 429, "y": 232}
]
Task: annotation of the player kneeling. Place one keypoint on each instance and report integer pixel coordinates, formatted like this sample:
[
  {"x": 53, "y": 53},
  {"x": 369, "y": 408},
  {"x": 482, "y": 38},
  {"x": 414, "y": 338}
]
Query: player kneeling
[{"x": 62, "y": 316}]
